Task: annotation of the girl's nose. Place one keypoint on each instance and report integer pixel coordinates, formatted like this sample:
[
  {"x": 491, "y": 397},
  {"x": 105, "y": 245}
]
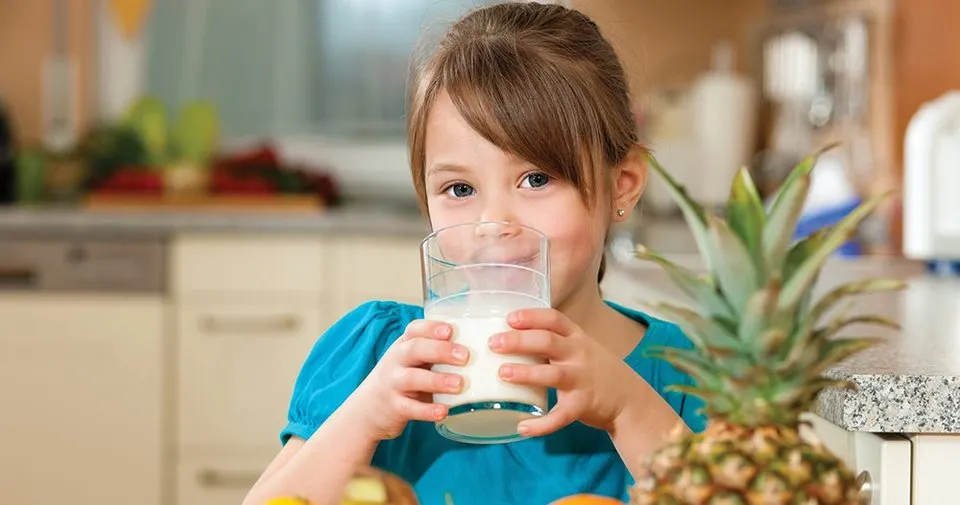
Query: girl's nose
[
  {"x": 495, "y": 210},
  {"x": 497, "y": 229}
]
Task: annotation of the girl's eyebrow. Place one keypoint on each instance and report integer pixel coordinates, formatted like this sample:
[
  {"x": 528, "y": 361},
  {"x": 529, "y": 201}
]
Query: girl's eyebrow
[{"x": 446, "y": 167}]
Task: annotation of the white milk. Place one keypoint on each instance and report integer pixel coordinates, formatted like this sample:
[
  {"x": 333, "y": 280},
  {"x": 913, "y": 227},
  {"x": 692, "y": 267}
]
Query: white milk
[{"x": 474, "y": 323}]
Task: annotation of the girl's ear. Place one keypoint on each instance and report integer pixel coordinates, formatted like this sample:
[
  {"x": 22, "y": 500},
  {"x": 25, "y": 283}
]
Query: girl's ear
[{"x": 630, "y": 179}]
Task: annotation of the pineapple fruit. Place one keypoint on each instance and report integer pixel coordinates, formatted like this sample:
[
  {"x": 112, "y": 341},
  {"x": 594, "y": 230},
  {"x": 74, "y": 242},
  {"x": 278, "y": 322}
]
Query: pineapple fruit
[{"x": 759, "y": 352}]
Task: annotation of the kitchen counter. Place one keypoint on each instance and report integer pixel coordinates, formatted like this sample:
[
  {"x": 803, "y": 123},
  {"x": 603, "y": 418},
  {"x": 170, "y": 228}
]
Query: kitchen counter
[
  {"x": 908, "y": 384},
  {"x": 359, "y": 218}
]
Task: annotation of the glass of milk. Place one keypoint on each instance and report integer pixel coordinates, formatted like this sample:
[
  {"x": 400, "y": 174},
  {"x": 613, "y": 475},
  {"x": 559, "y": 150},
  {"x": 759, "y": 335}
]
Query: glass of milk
[{"x": 474, "y": 275}]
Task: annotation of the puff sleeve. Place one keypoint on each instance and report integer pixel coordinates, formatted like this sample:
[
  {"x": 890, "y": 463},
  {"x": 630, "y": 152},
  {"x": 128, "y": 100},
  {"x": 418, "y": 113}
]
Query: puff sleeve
[{"x": 339, "y": 361}]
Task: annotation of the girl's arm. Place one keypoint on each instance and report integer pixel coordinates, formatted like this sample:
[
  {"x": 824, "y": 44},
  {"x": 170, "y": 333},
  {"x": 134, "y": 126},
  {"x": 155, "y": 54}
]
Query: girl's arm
[
  {"x": 643, "y": 426},
  {"x": 320, "y": 468}
]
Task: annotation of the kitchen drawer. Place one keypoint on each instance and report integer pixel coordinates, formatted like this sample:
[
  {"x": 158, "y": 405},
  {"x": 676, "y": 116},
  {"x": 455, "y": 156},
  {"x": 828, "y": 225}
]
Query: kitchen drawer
[
  {"x": 237, "y": 367},
  {"x": 212, "y": 481},
  {"x": 384, "y": 268},
  {"x": 882, "y": 461},
  {"x": 247, "y": 264},
  {"x": 935, "y": 458}
]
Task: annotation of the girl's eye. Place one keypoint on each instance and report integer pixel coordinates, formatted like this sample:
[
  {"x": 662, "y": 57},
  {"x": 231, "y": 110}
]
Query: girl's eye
[
  {"x": 537, "y": 180},
  {"x": 460, "y": 190}
]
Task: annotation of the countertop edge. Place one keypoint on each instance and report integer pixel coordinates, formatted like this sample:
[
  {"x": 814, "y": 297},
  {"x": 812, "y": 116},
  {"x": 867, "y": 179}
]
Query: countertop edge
[
  {"x": 885, "y": 403},
  {"x": 382, "y": 221}
]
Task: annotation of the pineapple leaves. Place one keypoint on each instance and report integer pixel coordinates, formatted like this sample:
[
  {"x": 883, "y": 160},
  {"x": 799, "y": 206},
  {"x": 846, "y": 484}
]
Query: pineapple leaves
[
  {"x": 736, "y": 272},
  {"x": 745, "y": 214},
  {"x": 802, "y": 280},
  {"x": 838, "y": 293},
  {"x": 707, "y": 334},
  {"x": 693, "y": 212},
  {"x": 802, "y": 250},
  {"x": 701, "y": 290},
  {"x": 716, "y": 401},
  {"x": 760, "y": 349},
  {"x": 802, "y": 169},
  {"x": 831, "y": 330},
  {"x": 705, "y": 372},
  {"x": 779, "y": 229},
  {"x": 809, "y": 390},
  {"x": 835, "y": 351},
  {"x": 755, "y": 319}
]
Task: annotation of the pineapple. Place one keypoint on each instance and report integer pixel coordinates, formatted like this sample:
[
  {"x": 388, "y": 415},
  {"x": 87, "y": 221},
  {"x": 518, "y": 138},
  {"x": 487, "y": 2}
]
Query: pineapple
[{"x": 759, "y": 352}]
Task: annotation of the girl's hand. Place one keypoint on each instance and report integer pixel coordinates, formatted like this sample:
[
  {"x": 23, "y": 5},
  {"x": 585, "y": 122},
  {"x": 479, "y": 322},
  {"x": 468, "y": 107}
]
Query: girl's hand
[
  {"x": 399, "y": 389},
  {"x": 592, "y": 383}
]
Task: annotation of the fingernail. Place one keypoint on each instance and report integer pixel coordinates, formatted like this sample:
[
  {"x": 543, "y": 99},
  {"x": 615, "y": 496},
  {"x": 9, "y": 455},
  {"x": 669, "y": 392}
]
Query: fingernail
[
  {"x": 452, "y": 381},
  {"x": 523, "y": 429},
  {"x": 460, "y": 353},
  {"x": 443, "y": 331},
  {"x": 439, "y": 412},
  {"x": 496, "y": 341},
  {"x": 506, "y": 371},
  {"x": 513, "y": 317}
]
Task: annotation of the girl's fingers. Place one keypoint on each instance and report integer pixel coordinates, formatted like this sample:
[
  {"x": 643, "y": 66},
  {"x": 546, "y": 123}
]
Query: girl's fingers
[
  {"x": 543, "y": 343},
  {"x": 425, "y": 351},
  {"x": 427, "y": 329},
  {"x": 542, "y": 319},
  {"x": 555, "y": 420},
  {"x": 413, "y": 410},
  {"x": 549, "y": 375},
  {"x": 420, "y": 380}
]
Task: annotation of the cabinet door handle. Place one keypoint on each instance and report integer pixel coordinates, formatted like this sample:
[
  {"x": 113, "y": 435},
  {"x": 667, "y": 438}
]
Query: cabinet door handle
[
  {"x": 866, "y": 488},
  {"x": 210, "y": 478},
  {"x": 276, "y": 324}
]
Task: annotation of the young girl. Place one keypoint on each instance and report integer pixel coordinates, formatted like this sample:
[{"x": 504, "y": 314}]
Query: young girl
[{"x": 522, "y": 115}]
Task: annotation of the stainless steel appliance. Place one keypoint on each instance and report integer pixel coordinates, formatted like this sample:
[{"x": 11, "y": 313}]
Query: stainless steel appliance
[{"x": 83, "y": 264}]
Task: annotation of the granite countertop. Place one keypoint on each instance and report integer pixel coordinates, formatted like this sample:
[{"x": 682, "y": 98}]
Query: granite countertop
[
  {"x": 908, "y": 384},
  {"x": 354, "y": 218}
]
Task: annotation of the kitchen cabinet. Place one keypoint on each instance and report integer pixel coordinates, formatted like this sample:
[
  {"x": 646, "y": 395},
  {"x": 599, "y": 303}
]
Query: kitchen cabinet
[
  {"x": 248, "y": 310},
  {"x": 81, "y": 381},
  {"x": 216, "y": 481},
  {"x": 255, "y": 266},
  {"x": 369, "y": 268},
  {"x": 237, "y": 363},
  {"x": 881, "y": 461}
]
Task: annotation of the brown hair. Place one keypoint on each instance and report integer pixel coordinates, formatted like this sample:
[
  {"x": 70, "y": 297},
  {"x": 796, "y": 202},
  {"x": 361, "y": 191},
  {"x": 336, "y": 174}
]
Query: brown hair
[{"x": 537, "y": 80}]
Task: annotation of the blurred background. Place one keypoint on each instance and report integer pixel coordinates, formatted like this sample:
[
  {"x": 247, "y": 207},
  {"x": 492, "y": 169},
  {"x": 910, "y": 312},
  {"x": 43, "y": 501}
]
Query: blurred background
[{"x": 191, "y": 191}]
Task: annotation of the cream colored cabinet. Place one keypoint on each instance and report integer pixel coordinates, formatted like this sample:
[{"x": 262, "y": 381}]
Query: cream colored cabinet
[
  {"x": 237, "y": 365},
  {"x": 382, "y": 268},
  {"x": 883, "y": 462},
  {"x": 935, "y": 461},
  {"x": 81, "y": 388},
  {"x": 248, "y": 310},
  {"x": 217, "y": 481}
]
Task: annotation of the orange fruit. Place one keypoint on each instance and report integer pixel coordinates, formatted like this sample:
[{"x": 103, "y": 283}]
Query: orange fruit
[{"x": 587, "y": 499}]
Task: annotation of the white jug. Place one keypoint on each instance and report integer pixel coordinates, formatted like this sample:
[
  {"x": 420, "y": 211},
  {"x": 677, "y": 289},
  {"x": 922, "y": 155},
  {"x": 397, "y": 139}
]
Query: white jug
[{"x": 931, "y": 182}]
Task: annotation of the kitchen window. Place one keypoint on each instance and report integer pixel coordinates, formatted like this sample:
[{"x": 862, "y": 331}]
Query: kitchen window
[
  {"x": 332, "y": 68},
  {"x": 324, "y": 80}
]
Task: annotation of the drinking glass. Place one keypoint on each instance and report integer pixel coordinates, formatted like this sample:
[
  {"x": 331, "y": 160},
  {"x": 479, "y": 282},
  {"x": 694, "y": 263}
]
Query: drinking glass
[{"x": 474, "y": 275}]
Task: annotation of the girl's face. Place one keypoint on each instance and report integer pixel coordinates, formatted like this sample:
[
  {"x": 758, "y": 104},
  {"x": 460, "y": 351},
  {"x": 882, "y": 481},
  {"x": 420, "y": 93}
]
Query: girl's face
[{"x": 469, "y": 179}]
